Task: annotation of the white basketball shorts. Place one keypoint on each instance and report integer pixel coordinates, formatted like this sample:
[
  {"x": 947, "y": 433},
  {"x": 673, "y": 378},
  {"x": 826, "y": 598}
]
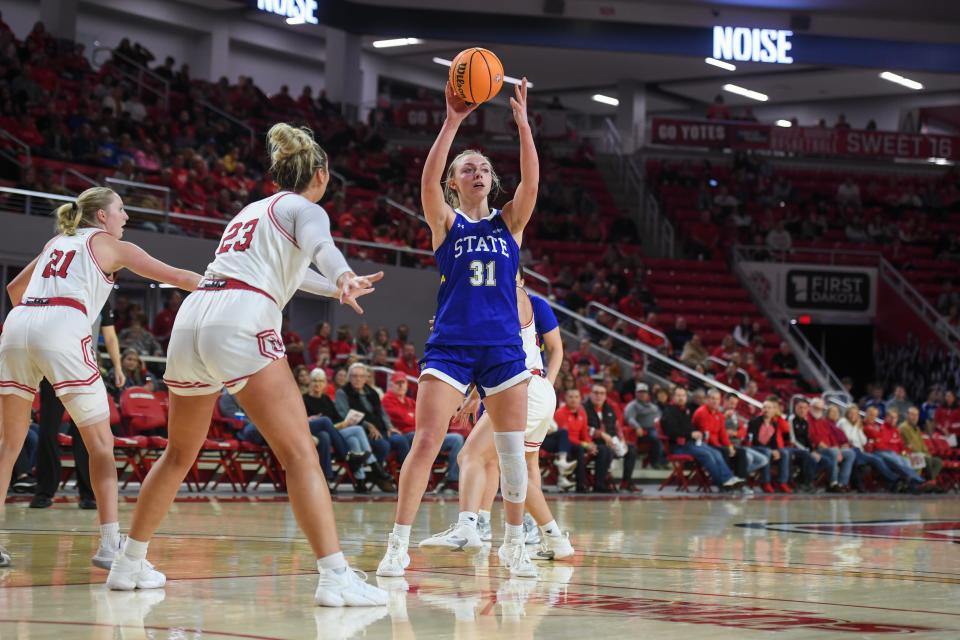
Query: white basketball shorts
[
  {"x": 221, "y": 338},
  {"x": 541, "y": 405}
]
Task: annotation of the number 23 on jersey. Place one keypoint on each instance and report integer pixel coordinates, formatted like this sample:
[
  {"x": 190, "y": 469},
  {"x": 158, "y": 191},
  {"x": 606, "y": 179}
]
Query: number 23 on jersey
[{"x": 247, "y": 228}]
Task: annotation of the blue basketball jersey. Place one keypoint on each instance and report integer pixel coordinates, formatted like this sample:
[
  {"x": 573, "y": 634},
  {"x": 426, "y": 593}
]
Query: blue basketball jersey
[
  {"x": 477, "y": 301},
  {"x": 544, "y": 318}
]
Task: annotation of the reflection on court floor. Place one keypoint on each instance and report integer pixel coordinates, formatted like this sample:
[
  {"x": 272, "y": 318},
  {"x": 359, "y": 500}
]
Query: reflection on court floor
[{"x": 805, "y": 568}]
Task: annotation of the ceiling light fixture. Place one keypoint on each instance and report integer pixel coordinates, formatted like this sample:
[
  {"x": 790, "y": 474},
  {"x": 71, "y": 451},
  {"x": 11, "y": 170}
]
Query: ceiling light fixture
[
  {"x": 509, "y": 79},
  {"x": 396, "y": 42},
  {"x": 898, "y": 79},
  {"x": 746, "y": 93},
  {"x": 784, "y": 123},
  {"x": 720, "y": 63},
  {"x": 602, "y": 99}
]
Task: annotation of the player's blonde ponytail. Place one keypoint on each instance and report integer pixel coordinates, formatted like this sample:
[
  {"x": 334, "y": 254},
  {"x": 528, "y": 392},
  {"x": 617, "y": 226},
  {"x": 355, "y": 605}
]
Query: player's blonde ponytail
[
  {"x": 450, "y": 194},
  {"x": 294, "y": 156},
  {"x": 83, "y": 212}
]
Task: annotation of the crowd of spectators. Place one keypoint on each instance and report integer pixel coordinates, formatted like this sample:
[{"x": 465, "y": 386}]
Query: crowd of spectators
[{"x": 718, "y": 110}]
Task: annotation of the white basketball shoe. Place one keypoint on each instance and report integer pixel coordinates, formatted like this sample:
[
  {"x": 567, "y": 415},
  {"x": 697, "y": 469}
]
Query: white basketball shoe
[
  {"x": 459, "y": 537},
  {"x": 347, "y": 588},
  {"x": 396, "y": 559},
  {"x": 554, "y": 548},
  {"x": 127, "y": 574}
]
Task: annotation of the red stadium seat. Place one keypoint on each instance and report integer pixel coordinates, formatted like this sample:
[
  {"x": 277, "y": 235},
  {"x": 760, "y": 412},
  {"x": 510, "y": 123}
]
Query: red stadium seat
[{"x": 141, "y": 410}]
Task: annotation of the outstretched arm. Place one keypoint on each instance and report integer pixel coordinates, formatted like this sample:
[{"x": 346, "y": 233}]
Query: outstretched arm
[
  {"x": 115, "y": 255},
  {"x": 435, "y": 207},
  {"x": 517, "y": 212}
]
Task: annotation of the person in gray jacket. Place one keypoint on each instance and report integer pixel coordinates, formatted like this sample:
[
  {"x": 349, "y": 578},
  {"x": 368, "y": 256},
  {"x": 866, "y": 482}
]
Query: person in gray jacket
[{"x": 641, "y": 415}]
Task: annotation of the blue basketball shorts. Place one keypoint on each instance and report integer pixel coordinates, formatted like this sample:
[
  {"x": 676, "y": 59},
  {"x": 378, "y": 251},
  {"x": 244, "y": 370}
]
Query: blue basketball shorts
[{"x": 492, "y": 368}]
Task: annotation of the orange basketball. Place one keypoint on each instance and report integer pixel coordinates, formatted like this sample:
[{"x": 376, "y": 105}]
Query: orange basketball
[{"x": 476, "y": 75}]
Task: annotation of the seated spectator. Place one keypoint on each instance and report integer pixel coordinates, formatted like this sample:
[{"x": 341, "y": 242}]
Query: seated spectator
[
  {"x": 679, "y": 336},
  {"x": 407, "y": 363},
  {"x": 302, "y": 375},
  {"x": 717, "y": 109},
  {"x": 363, "y": 343},
  {"x": 779, "y": 239},
  {"x": 888, "y": 445},
  {"x": 347, "y": 437},
  {"x": 584, "y": 353},
  {"x": 403, "y": 337},
  {"x": 852, "y": 428},
  {"x": 684, "y": 439},
  {"x": 631, "y": 305},
  {"x": 899, "y": 400},
  {"x": 876, "y": 400},
  {"x": 726, "y": 349},
  {"x": 784, "y": 363},
  {"x": 841, "y": 122},
  {"x": 746, "y": 461},
  {"x": 830, "y": 442},
  {"x": 803, "y": 452},
  {"x": 163, "y": 322},
  {"x": 342, "y": 347},
  {"x": 648, "y": 337},
  {"x": 743, "y": 333},
  {"x": 292, "y": 344},
  {"x": 947, "y": 415},
  {"x": 709, "y": 419},
  {"x": 133, "y": 374},
  {"x": 912, "y": 436},
  {"x": 321, "y": 338},
  {"x": 402, "y": 410},
  {"x": 765, "y": 435},
  {"x": 608, "y": 430},
  {"x": 641, "y": 414},
  {"x": 358, "y": 395},
  {"x": 694, "y": 354},
  {"x": 572, "y": 418},
  {"x": 137, "y": 337},
  {"x": 731, "y": 377}
]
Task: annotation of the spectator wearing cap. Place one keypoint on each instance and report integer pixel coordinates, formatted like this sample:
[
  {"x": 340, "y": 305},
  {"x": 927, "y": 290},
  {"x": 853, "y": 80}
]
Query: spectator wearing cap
[
  {"x": 641, "y": 414},
  {"x": 607, "y": 429},
  {"x": 402, "y": 411},
  {"x": 685, "y": 439}
]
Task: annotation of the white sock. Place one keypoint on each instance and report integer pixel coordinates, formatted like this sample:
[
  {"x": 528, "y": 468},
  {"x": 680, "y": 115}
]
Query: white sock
[
  {"x": 110, "y": 534},
  {"x": 468, "y": 518},
  {"x": 135, "y": 550},
  {"x": 484, "y": 516},
  {"x": 333, "y": 562},
  {"x": 402, "y": 531},
  {"x": 512, "y": 532},
  {"x": 551, "y": 528}
]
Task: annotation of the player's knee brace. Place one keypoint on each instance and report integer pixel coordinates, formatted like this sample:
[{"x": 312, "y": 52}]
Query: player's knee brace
[
  {"x": 513, "y": 467},
  {"x": 86, "y": 408}
]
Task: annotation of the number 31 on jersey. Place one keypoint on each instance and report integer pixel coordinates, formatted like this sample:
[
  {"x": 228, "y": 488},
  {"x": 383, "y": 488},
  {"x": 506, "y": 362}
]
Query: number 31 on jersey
[{"x": 484, "y": 275}]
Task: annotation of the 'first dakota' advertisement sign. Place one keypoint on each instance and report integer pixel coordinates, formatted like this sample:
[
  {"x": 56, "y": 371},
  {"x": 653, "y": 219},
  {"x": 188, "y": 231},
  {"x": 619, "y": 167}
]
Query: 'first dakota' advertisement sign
[{"x": 847, "y": 294}]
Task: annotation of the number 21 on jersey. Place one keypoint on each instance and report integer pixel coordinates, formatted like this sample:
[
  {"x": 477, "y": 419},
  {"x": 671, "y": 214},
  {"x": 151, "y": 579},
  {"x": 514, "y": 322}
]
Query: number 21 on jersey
[
  {"x": 59, "y": 263},
  {"x": 484, "y": 275}
]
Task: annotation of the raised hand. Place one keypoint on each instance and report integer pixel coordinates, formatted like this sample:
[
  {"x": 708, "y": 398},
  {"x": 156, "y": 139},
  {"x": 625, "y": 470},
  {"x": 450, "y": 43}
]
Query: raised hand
[
  {"x": 353, "y": 286},
  {"x": 518, "y": 103},
  {"x": 457, "y": 108}
]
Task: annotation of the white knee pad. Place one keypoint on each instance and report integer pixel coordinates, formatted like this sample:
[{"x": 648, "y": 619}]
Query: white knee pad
[
  {"x": 513, "y": 466},
  {"x": 86, "y": 408}
]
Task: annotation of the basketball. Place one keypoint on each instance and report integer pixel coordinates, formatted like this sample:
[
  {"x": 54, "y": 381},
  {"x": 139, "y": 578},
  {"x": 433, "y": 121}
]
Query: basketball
[{"x": 476, "y": 75}]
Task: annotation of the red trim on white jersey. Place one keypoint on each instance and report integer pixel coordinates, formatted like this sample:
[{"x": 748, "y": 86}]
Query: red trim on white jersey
[
  {"x": 16, "y": 385},
  {"x": 276, "y": 223},
  {"x": 85, "y": 347},
  {"x": 236, "y": 380},
  {"x": 177, "y": 384},
  {"x": 93, "y": 257}
]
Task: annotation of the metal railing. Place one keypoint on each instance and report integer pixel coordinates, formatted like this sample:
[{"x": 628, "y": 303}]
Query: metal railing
[
  {"x": 13, "y": 157},
  {"x": 76, "y": 174},
  {"x": 654, "y": 228},
  {"x": 121, "y": 188},
  {"x": 140, "y": 75},
  {"x": 405, "y": 210},
  {"x": 620, "y": 316},
  {"x": 651, "y": 354},
  {"x": 934, "y": 319}
]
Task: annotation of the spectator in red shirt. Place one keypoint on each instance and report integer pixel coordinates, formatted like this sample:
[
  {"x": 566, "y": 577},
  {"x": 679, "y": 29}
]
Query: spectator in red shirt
[
  {"x": 631, "y": 304},
  {"x": 947, "y": 415},
  {"x": 342, "y": 347},
  {"x": 765, "y": 433},
  {"x": 648, "y": 337},
  {"x": 407, "y": 362},
  {"x": 292, "y": 343},
  {"x": 321, "y": 338},
  {"x": 726, "y": 349},
  {"x": 572, "y": 418},
  {"x": 399, "y": 406},
  {"x": 163, "y": 323},
  {"x": 710, "y": 419},
  {"x": 718, "y": 110},
  {"x": 583, "y": 353},
  {"x": 403, "y": 337},
  {"x": 888, "y": 445},
  {"x": 829, "y": 441}
]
